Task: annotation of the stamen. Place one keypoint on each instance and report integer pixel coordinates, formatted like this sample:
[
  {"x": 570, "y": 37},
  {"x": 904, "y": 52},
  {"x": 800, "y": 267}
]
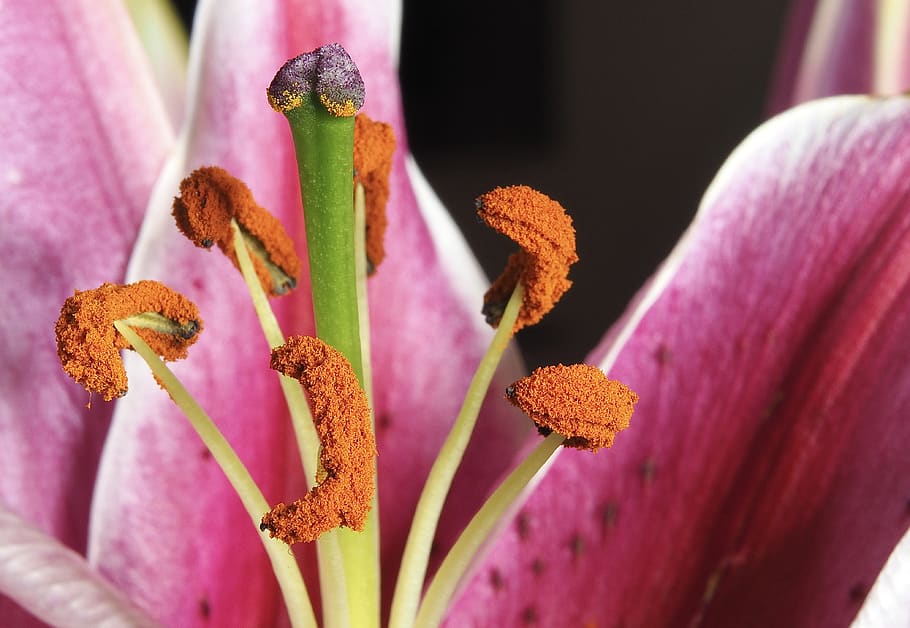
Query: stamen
[
  {"x": 576, "y": 406},
  {"x": 88, "y": 345},
  {"x": 417, "y": 549},
  {"x": 342, "y": 417},
  {"x": 576, "y": 401},
  {"x": 293, "y": 589},
  {"x": 328, "y": 73},
  {"x": 374, "y": 145},
  {"x": 209, "y": 199},
  {"x": 543, "y": 230}
]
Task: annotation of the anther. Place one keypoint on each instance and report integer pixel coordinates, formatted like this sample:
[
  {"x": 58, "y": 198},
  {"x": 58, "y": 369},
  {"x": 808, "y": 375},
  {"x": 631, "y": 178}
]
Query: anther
[
  {"x": 341, "y": 416},
  {"x": 88, "y": 344},
  {"x": 374, "y": 145},
  {"x": 327, "y": 74},
  {"x": 576, "y": 401},
  {"x": 543, "y": 230},
  {"x": 209, "y": 199}
]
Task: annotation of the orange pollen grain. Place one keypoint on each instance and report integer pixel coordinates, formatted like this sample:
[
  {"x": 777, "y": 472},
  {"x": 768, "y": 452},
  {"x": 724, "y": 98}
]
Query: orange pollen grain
[
  {"x": 374, "y": 145},
  {"x": 341, "y": 416},
  {"x": 543, "y": 230},
  {"x": 88, "y": 344},
  {"x": 577, "y": 401},
  {"x": 210, "y": 197}
]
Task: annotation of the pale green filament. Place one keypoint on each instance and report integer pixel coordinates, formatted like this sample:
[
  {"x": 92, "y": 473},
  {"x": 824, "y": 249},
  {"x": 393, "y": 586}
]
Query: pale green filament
[
  {"x": 283, "y": 562},
  {"x": 371, "y": 528},
  {"x": 420, "y": 538},
  {"x": 302, "y": 420},
  {"x": 360, "y": 272},
  {"x": 460, "y": 557},
  {"x": 331, "y": 566}
]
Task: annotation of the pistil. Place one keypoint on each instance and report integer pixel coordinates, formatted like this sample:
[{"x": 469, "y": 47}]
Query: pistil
[{"x": 319, "y": 92}]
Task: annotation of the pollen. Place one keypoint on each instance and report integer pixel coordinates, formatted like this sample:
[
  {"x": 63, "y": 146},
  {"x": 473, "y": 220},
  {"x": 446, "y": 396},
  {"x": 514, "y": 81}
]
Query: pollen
[
  {"x": 341, "y": 416},
  {"x": 209, "y": 199},
  {"x": 543, "y": 230},
  {"x": 374, "y": 145},
  {"x": 88, "y": 344},
  {"x": 343, "y": 109},
  {"x": 286, "y": 100},
  {"x": 577, "y": 401}
]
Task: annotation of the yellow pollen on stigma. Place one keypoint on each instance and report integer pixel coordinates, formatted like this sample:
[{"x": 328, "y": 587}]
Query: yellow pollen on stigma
[
  {"x": 343, "y": 109},
  {"x": 287, "y": 100}
]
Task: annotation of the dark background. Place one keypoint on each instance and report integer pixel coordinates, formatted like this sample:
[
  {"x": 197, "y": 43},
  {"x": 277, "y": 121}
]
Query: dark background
[{"x": 622, "y": 111}]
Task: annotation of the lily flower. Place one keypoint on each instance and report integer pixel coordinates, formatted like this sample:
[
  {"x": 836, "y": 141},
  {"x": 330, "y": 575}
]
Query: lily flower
[{"x": 767, "y": 482}]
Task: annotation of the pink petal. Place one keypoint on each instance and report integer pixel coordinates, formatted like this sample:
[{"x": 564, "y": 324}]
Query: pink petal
[
  {"x": 842, "y": 47},
  {"x": 164, "y": 39},
  {"x": 54, "y": 583},
  {"x": 161, "y": 501},
  {"x": 764, "y": 480},
  {"x": 84, "y": 135}
]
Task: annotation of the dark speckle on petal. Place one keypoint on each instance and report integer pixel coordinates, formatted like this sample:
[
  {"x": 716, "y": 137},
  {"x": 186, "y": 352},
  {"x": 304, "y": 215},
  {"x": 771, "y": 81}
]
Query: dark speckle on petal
[
  {"x": 205, "y": 608},
  {"x": 538, "y": 566},
  {"x": 496, "y": 580},
  {"x": 648, "y": 469},
  {"x": 529, "y": 615},
  {"x": 609, "y": 513},
  {"x": 577, "y": 545},
  {"x": 663, "y": 355},
  {"x": 776, "y": 398},
  {"x": 858, "y": 592},
  {"x": 523, "y": 525}
]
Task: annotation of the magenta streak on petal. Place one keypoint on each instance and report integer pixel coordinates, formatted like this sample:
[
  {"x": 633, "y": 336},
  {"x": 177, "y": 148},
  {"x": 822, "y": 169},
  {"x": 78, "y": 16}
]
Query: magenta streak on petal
[
  {"x": 764, "y": 480},
  {"x": 84, "y": 135},
  {"x": 167, "y": 528}
]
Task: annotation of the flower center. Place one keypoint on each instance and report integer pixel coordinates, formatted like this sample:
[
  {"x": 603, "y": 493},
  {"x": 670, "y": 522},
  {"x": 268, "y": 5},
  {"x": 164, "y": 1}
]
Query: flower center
[{"x": 344, "y": 165}]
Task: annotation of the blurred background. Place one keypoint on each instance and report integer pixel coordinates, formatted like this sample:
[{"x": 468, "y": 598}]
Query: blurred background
[{"x": 622, "y": 111}]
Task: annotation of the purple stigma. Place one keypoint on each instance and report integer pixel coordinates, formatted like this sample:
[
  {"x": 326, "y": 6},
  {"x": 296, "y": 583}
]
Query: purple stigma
[{"x": 328, "y": 72}]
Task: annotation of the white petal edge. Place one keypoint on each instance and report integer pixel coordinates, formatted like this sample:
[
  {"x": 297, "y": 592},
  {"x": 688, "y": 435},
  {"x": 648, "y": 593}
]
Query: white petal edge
[
  {"x": 888, "y": 602},
  {"x": 56, "y": 584},
  {"x": 465, "y": 274}
]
